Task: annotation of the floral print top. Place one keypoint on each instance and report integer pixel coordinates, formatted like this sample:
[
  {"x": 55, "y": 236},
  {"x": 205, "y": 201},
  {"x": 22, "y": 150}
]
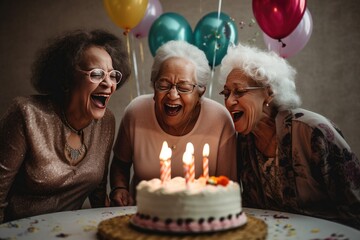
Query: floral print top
[{"x": 314, "y": 171}]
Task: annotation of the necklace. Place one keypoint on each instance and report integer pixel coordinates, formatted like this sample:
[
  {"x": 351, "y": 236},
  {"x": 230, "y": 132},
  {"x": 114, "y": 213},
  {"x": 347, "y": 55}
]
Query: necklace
[
  {"x": 78, "y": 132},
  {"x": 173, "y": 146},
  {"x": 74, "y": 155}
]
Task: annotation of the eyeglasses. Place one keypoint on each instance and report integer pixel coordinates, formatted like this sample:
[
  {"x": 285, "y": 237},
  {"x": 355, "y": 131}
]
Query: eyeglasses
[
  {"x": 238, "y": 92},
  {"x": 97, "y": 75},
  {"x": 182, "y": 88}
]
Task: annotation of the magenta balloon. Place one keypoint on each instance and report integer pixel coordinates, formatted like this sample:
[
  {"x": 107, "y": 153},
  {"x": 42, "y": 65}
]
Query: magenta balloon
[
  {"x": 153, "y": 11},
  {"x": 295, "y": 41},
  {"x": 278, "y": 18}
]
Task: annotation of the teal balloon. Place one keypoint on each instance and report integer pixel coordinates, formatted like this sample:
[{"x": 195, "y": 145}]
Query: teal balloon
[
  {"x": 213, "y": 34},
  {"x": 169, "y": 26}
]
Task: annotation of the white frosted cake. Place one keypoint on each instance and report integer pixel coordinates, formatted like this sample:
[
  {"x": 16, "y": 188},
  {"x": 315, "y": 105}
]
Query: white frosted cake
[{"x": 202, "y": 206}]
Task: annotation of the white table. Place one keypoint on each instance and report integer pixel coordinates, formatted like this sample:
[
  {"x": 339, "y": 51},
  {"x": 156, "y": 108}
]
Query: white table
[{"x": 82, "y": 224}]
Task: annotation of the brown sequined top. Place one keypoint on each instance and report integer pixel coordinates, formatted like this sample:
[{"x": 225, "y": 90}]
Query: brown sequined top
[{"x": 35, "y": 176}]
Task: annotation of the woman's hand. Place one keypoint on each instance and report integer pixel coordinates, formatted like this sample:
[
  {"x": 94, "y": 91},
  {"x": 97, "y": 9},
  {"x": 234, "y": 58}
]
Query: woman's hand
[{"x": 121, "y": 197}]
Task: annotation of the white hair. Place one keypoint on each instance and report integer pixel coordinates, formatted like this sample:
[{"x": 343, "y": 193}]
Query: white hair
[
  {"x": 267, "y": 69},
  {"x": 182, "y": 49}
]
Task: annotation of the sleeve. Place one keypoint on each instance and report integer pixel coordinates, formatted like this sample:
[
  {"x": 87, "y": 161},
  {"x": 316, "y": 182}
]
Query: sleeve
[
  {"x": 123, "y": 147},
  {"x": 98, "y": 197},
  {"x": 12, "y": 151},
  {"x": 340, "y": 170}
]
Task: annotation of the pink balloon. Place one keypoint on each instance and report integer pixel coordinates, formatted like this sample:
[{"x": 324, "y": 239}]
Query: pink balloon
[
  {"x": 153, "y": 11},
  {"x": 278, "y": 18},
  {"x": 295, "y": 42}
]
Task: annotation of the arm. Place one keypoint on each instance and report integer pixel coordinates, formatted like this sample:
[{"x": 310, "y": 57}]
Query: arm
[
  {"x": 340, "y": 169},
  {"x": 12, "y": 152},
  {"x": 119, "y": 182},
  {"x": 99, "y": 198}
]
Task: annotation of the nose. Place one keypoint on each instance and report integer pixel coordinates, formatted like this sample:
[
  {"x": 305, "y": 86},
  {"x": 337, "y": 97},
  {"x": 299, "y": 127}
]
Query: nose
[
  {"x": 173, "y": 93},
  {"x": 107, "y": 81},
  {"x": 232, "y": 100}
]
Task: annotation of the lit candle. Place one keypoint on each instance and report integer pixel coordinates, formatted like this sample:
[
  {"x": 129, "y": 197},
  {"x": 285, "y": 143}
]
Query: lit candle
[
  {"x": 206, "y": 151},
  {"x": 190, "y": 149},
  {"x": 163, "y": 161},
  {"x": 187, "y": 159},
  {"x": 168, "y": 164}
]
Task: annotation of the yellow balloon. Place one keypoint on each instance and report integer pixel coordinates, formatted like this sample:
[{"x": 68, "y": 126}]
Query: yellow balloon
[{"x": 126, "y": 13}]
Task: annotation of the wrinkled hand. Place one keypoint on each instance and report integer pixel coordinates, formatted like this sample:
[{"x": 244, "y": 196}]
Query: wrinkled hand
[{"x": 121, "y": 197}]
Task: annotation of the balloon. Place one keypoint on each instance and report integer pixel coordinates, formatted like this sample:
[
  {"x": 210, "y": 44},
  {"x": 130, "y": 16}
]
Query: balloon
[
  {"x": 213, "y": 34},
  {"x": 294, "y": 42},
  {"x": 153, "y": 11},
  {"x": 278, "y": 18},
  {"x": 169, "y": 26},
  {"x": 126, "y": 13}
]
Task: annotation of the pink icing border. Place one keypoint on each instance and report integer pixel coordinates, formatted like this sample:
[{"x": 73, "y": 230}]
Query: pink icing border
[{"x": 193, "y": 227}]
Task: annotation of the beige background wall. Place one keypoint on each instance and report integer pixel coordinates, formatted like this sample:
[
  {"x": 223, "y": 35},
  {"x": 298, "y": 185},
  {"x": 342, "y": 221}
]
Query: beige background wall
[{"x": 328, "y": 67}]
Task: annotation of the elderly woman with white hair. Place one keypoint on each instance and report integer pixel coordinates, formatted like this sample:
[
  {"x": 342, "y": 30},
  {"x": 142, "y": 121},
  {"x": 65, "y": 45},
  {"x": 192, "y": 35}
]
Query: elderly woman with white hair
[
  {"x": 177, "y": 113},
  {"x": 289, "y": 158}
]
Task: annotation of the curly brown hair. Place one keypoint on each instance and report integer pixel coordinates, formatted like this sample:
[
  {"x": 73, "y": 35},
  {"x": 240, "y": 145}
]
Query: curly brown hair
[{"x": 53, "y": 70}]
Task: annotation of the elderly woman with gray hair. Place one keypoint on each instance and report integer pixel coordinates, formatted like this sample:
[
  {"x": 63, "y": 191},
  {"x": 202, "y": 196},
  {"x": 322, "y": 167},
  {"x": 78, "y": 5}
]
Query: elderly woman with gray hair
[
  {"x": 289, "y": 158},
  {"x": 177, "y": 113}
]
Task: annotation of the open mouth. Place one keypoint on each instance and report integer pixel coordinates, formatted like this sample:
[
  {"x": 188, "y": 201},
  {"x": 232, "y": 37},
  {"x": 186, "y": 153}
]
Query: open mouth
[
  {"x": 172, "y": 109},
  {"x": 237, "y": 115},
  {"x": 100, "y": 100}
]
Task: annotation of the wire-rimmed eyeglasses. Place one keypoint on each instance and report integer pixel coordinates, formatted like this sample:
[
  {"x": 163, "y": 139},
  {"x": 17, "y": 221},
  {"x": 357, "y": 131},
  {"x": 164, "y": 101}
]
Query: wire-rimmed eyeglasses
[
  {"x": 238, "y": 92},
  {"x": 181, "y": 88},
  {"x": 98, "y": 75}
]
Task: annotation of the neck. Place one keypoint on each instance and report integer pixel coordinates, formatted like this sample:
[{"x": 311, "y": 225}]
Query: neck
[
  {"x": 73, "y": 121},
  {"x": 184, "y": 128},
  {"x": 265, "y": 136}
]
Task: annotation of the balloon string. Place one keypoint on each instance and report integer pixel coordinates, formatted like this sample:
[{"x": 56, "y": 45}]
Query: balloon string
[
  {"x": 282, "y": 43},
  {"x": 142, "y": 70},
  {"x": 135, "y": 66},
  {"x": 130, "y": 62},
  {"x": 215, "y": 49}
]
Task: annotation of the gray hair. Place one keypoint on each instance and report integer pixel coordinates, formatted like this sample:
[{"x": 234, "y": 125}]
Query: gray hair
[
  {"x": 265, "y": 68},
  {"x": 184, "y": 50}
]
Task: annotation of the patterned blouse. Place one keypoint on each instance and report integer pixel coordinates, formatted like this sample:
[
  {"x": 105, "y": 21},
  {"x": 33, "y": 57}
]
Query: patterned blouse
[{"x": 314, "y": 171}]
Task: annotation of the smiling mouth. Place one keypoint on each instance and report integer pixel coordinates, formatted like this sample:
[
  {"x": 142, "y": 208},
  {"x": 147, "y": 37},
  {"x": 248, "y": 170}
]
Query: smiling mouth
[
  {"x": 237, "y": 115},
  {"x": 172, "y": 109},
  {"x": 100, "y": 100}
]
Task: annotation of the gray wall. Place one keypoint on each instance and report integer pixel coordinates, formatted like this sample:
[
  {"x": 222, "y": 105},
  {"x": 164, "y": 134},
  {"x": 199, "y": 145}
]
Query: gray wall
[{"x": 328, "y": 67}]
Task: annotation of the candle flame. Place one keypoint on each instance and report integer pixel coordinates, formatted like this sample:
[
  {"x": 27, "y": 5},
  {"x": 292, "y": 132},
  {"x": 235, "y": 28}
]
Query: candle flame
[
  {"x": 189, "y": 148},
  {"x": 187, "y": 158},
  {"x": 206, "y": 150},
  {"x": 164, "y": 151}
]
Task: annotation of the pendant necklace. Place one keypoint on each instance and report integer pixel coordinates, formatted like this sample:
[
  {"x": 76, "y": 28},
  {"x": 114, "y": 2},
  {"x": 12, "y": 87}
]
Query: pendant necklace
[
  {"x": 173, "y": 146},
  {"x": 74, "y": 154}
]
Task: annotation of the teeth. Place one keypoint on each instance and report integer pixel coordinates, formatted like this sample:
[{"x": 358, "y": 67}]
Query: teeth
[
  {"x": 101, "y": 95},
  {"x": 172, "y": 105}
]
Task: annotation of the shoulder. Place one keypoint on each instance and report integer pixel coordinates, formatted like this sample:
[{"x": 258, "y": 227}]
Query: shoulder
[
  {"x": 214, "y": 109},
  {"x": 140, "y": 105},
  {"x": 34, "y": 103},
  {"x": 307, "y": 117},
  {"x": 142, "y": 101},
  {"x": 301, "y": 119}
]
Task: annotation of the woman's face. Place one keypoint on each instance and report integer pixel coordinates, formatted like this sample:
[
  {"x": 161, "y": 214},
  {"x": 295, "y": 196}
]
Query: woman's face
[
  {"x": 88, "y": 100},
  {"x": 173, "y": 109},
  {"x": 245, "y": 106}
]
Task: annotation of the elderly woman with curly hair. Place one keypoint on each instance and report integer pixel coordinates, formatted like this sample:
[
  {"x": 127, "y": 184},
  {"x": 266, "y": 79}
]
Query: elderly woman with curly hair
[
  {"x": 55, "y": 147},
  {"x": 289, "y": 158}
]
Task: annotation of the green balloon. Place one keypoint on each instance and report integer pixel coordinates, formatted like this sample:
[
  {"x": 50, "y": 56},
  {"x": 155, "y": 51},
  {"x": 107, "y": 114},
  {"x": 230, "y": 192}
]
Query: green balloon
[
  {"x": 169, "y": 26},
  {"x": 213, "y": 34}
]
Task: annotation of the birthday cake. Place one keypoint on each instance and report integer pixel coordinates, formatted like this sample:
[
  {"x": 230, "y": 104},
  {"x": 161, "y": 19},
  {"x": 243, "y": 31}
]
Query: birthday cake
[{"x": 200, "y": 206}]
